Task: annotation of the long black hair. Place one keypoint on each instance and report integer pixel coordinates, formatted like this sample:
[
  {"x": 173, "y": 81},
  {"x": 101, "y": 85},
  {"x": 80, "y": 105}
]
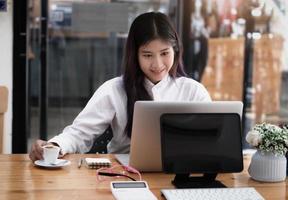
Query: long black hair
[{"x": 145, "y": 28}]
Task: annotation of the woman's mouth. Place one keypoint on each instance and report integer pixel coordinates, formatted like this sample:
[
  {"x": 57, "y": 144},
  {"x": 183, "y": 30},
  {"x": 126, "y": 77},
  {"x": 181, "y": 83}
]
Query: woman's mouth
[{"x": 158, "y": 71}]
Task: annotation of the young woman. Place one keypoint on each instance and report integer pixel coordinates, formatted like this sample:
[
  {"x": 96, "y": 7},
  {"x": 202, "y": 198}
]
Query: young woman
[{"x": 152, "y": 71}]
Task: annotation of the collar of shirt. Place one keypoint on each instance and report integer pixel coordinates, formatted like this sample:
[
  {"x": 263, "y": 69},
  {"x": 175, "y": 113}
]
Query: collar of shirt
[{"x": 152, "y": 88}]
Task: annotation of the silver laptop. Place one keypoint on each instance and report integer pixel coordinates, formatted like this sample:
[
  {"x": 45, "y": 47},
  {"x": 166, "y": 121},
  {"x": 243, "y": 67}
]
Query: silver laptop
[{"x": 145, "y": 148}]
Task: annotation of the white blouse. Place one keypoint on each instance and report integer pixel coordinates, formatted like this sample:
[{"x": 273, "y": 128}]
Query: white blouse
[{"x": 108, "y": 107}]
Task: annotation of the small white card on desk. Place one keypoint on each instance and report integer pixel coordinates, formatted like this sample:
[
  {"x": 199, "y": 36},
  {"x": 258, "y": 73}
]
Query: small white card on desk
[{"x": 97, "y": 162}]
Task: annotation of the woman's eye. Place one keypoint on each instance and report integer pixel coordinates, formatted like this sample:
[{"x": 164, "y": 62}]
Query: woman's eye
[
  {"x": 147, "y": 55},
  {"x": 165, "y": 53}
]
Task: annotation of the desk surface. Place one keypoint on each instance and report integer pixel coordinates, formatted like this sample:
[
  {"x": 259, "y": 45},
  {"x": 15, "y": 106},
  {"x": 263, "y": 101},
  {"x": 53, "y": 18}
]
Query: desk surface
[{"x": 20, "y": 179}]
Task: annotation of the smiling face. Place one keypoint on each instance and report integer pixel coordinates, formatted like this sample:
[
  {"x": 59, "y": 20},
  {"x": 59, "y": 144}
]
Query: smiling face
[{"x": 156, "y": 59}]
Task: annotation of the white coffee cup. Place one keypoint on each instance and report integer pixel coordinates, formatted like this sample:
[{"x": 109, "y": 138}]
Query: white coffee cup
[{"x": 50, "y": 153}]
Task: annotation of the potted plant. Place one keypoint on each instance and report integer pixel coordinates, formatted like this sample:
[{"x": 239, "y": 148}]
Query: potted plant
[{"x": 269, "y": 162}]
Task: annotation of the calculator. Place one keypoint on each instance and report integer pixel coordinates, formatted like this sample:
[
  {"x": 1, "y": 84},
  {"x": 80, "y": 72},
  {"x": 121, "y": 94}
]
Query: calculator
[{"x": 131, "y": 190}]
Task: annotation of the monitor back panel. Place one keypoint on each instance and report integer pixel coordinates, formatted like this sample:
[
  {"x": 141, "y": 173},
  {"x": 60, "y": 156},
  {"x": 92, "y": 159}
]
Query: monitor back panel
[{"x": 201, "y": 143}]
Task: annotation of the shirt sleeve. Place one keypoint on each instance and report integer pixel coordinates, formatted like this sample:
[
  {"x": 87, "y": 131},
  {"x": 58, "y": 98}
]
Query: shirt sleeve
[
  {"x": 91, "y": 122},
  {"x": 203, "y": 94}
]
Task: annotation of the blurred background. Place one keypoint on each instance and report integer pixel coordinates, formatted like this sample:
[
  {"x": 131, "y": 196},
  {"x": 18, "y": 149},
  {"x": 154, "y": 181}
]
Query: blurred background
[{"x": 237, "y": 48}]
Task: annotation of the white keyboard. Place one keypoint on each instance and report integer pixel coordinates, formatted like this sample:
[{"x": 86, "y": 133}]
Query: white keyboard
[{"x": 247, "y": 193}]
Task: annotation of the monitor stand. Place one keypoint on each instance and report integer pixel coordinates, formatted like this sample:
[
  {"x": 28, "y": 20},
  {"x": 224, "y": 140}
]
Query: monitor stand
[{"x": 205, "y": 181}]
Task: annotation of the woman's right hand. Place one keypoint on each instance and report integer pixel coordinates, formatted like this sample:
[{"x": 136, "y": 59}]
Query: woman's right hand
[{"x": 36, "y": 150}]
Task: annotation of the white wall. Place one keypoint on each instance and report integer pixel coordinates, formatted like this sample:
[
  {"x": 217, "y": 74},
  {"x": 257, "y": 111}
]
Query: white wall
[{"x": 6, "y": 40}]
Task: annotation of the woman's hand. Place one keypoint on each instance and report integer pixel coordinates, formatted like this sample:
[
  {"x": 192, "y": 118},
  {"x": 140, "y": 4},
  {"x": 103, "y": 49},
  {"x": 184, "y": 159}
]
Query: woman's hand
[{"x": 36, "y": 150}]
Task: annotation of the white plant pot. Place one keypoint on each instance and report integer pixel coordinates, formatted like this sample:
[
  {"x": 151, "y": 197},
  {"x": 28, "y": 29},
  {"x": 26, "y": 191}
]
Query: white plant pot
[{"x": 268, "y": 167}]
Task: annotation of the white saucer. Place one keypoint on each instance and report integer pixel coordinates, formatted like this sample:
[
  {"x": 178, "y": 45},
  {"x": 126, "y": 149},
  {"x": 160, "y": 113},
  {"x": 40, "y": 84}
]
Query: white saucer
[{"x": 59, "y": 163}]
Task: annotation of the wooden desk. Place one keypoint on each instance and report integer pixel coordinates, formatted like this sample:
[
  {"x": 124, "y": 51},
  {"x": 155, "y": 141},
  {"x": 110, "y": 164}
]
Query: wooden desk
[{"x": 20, "y": 179}]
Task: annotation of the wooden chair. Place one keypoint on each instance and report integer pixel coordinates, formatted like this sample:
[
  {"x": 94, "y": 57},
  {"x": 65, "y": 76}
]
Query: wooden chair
[{"x": 3, "y": 109}]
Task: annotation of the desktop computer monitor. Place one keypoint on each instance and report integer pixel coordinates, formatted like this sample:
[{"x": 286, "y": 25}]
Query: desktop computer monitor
[{"x": 200, "y": 143}]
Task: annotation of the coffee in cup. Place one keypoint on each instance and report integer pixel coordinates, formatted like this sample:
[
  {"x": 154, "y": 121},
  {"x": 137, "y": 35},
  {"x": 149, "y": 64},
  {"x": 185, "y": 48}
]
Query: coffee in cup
[{"x": 50, "y": 153}]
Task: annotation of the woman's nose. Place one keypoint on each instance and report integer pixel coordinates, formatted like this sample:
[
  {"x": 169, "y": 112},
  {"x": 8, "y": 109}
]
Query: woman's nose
[{"x": 157, "y": 63}]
